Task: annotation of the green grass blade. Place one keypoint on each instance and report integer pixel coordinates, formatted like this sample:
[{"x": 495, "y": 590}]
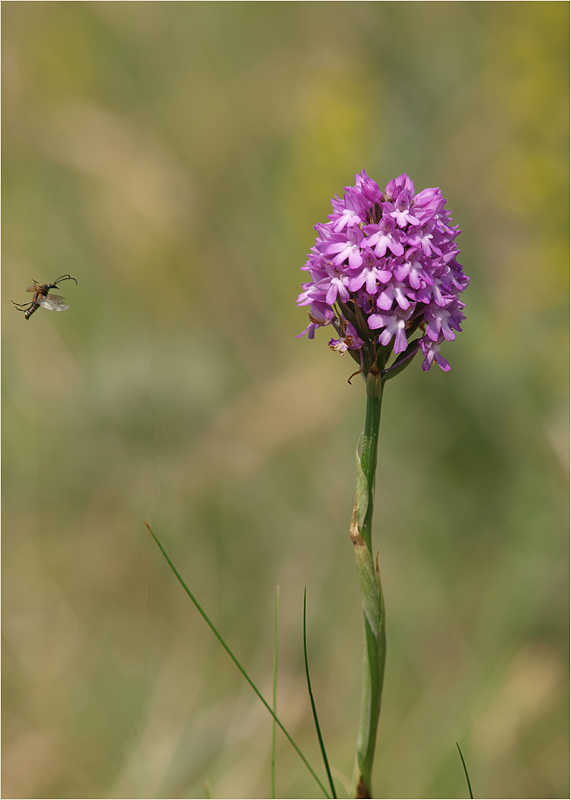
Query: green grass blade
[
  {"x": 234, "y": 659},
  {"x": 275, "y": 690},
  {"x": 313, "y": 708},
  {"x": 465, "y": 772}
]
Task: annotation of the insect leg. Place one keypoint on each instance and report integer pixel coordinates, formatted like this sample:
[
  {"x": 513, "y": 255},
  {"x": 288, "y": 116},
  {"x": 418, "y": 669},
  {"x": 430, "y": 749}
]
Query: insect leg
[{"x": 22, "y": 306}]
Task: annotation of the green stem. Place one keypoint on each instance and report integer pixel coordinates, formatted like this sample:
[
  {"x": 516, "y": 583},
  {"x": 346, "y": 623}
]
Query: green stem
[
  {"x": 371, "y": 592},
  {"x": 370, "y": 446}
]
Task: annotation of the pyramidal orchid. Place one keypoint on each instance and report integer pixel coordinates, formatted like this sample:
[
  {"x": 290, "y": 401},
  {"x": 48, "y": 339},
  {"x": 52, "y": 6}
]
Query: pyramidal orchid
[{"x": 384, "y": 276}]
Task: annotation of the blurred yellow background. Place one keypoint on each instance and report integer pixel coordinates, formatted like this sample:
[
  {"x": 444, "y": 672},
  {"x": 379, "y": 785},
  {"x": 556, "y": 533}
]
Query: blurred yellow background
[{"x": 173, "y": 157}]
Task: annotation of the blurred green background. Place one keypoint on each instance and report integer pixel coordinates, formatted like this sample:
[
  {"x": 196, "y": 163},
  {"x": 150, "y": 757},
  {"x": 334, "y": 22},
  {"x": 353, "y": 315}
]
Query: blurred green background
[{"x": 173, "y": 157}]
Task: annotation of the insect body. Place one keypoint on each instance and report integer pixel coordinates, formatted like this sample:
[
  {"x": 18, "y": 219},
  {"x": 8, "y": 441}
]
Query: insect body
[{"x": 42, "y": 297}]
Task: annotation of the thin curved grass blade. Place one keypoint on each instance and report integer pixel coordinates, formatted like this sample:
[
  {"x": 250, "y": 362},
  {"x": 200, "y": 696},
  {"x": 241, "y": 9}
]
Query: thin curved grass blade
[
  {"x": 465, "y": 772},
  {"x": 275, "y": 690},
  {"x": 313, "y": 708},
  {"x": 210, "y": 624}
]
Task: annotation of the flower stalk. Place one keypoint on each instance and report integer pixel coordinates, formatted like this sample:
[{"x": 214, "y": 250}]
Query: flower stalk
[{"x": 371, "y": 591}]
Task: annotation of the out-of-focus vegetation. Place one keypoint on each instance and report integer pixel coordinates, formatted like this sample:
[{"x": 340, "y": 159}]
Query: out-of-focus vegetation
[{"x": 173, "y": 157}]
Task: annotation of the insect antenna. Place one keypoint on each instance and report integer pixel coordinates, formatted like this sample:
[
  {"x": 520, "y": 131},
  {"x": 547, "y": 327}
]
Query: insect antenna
[{"x": 64, "y": 278}]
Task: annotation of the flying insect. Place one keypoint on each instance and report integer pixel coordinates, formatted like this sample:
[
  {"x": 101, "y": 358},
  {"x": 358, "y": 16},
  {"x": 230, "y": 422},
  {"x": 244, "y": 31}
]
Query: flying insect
[{"x": 42, "y": 297}]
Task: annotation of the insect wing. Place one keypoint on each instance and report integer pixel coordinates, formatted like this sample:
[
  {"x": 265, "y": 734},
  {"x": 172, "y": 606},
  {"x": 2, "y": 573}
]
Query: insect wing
[{"x": 53, "y": 302}]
